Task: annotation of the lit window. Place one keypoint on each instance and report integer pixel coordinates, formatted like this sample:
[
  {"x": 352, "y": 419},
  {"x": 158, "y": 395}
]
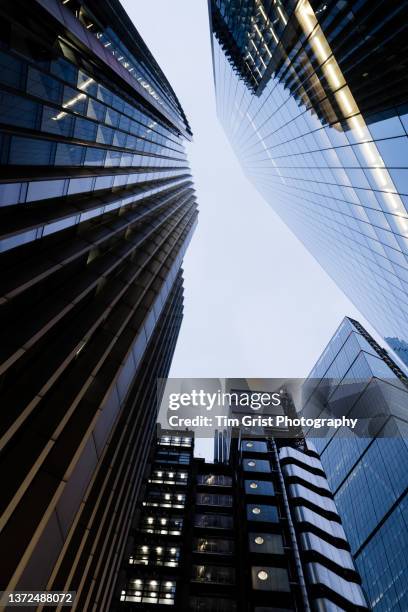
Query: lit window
[{"x": 150, "y": 591}]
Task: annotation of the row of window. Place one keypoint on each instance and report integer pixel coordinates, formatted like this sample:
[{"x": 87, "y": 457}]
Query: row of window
[
  {"x": 168, "y": 456},
  {"x": 103, "y": 104},
  {"x": 263, "y": 577},
  {"x": 214, "y": 480},
  {"x": 213, "y": 499},
  {"x": 22, "y": 151},
  {"x": 216, "y": 521},
  {"x": 79, "y": 217},
  {"x": 163, "y": 525},
  {"x": 215, "y": 574},
  {"x": 211, "y": 604},
  {"x": 175, "y": 441},
  {"x": 22, "y": 112},
  {"x": 152, "y": 591},
  {"x": 162, "y": 555},
  {"x": 259, "y": 542},
  {"x": 162, "y": 499},
  {"x": 32, "y": 191},
  {"x": 170, "y": 477}
]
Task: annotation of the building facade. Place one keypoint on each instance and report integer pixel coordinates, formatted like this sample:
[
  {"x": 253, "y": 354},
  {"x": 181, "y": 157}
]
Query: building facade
[
  {"x": 259, "y": 532},
  {"x": 313, "y": 97},
  {"x": 97, "y": 208},
  {"x": 366, "y": 469},
  {"x": 400, "y": 348}
]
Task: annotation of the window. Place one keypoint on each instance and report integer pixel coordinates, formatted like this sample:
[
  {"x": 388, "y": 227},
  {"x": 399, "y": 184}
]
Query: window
[
  {"x": 163, "y": 499},
  {"x": 213, "y": 545},
  {"x": 268, "y": 543},
  {"x": 85, "y": 129},
  {"x": 256, "y": 465},
  {"x": 161, "y": 524},
  {"x": 214, "y": 480},
  {"x": 167, "y": 456},
  {"x": 213, "y": 499},
  {"x": 217, "y": 521},
  {"x": 69, "y": 155},
  {"x": 262, "y": 512},
  {"x": 104, "y": 135},
  {"x": 27, "y": 151},
  {"x": 150, "y": 591},
  {"x": 267, "y": 578},
  {"x": 259, "y": 487},
  {"x": 43, "y": 86},
  {"x": 211, "y": 604},
  {"x": 15, "y": 110},
  {"x": 160, "y": 555},
  {"x": 10, "y": 70},
  {"x": 64, "y": 70},
  {"x": 169, "y": 477},
  {"x": 213, "y": 573},
  {"x": 254, "y": 446},
  {"x": 175, "y": 441}
]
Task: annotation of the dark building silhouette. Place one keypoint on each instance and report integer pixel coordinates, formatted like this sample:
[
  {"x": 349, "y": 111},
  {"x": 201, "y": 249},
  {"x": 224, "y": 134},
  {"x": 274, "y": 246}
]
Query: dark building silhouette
[
  {"x": 313, "y": 97},
  {"x": 97, "y": 209},
  {"x": 259, "y": 532}
]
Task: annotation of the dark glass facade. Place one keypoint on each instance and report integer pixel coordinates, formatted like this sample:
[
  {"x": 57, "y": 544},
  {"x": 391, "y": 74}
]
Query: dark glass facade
[
  {"x": 246, "y": 541},
  {"x": 313, "y": 97},
  {"x": 367, "y": 473},
  {"x": 97, "y": 208}
]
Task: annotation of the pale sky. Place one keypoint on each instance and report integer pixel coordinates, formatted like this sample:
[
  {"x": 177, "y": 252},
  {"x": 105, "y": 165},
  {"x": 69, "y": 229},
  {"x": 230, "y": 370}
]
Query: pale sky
[{"x": 256, "y": 303}]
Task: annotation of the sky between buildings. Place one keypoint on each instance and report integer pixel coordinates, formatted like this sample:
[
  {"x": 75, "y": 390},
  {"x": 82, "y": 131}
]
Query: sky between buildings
[{"x": 256, "y": 302}]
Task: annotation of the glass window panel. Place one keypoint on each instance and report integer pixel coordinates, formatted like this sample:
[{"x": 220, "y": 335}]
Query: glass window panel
[
  {"x": 56, "y": 122},
  {"x": 69, "y": 155},
  {"x": 43, "y": 86},
  {"x": 27, "y": 151},
  {"x": 15, "y": 110},
  {"x": 262, "y": 512}
]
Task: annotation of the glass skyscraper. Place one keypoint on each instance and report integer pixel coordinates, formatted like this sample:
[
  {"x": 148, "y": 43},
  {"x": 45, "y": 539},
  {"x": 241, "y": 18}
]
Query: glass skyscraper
[
  {"x": 313, "y": 97},
  {"x": 97, "y": 208},
  {"x": 367, "y": 470},
  {"x": 400, "y": 348}
]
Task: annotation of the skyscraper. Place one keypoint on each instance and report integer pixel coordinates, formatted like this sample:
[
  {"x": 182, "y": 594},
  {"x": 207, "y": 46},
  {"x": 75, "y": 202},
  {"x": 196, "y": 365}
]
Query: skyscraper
[
  {"x": 400, "y": 348},
  {"x": 97, "y": 209},
  {"x": 366, "y": 470},
  {"x": 257, "y": 533},
  {"x": 313, "y": 97}
]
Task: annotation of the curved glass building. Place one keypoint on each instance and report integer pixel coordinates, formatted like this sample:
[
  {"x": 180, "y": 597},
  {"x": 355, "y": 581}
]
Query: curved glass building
[{"x": 313, "y": 97}]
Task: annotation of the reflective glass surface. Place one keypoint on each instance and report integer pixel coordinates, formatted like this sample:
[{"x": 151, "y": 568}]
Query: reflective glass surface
[
  {"x": 368, "y": 475},
  {"x": 317, "y": 115}
]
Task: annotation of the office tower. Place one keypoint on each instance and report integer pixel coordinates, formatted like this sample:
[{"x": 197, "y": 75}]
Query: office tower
[
  {"x": 400, "y": 348},
  {"x": 366, "y": 469},
  {"x": 97, "y": 208},
  {"x": 313, "y": 97},
  {"x": 258, "y": 533}
]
